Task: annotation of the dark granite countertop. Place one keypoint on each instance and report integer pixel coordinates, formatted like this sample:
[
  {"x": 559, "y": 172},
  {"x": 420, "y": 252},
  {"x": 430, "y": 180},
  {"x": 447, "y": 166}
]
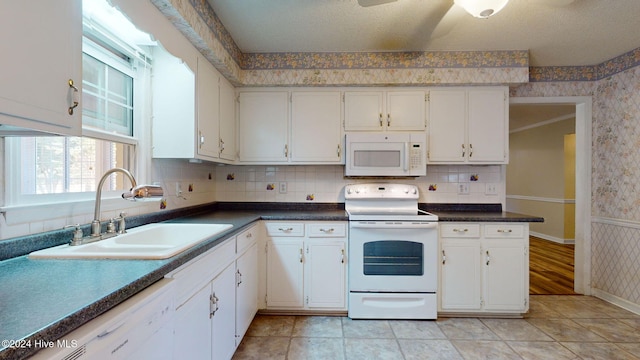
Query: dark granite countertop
[{"x": 46, "y": 299}]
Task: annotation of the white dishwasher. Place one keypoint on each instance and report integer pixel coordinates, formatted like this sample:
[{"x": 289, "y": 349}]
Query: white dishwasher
[{"x": 139, "y": 328}]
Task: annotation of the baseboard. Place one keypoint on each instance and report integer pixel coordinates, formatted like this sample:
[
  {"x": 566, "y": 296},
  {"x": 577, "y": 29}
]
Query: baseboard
[
  {"x": 615, "y": 300},
  {"x": 552, "y": 238}
]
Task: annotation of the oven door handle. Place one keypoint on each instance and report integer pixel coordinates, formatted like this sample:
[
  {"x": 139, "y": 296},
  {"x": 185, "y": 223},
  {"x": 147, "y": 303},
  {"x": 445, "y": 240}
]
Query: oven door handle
[{"x": 393, "y": 225}]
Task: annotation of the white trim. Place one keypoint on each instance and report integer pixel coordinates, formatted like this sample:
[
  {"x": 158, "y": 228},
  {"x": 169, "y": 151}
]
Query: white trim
[
  {"x": 542, "y": 199},
  {"x": 618, "y": 301},
  {"x": 552, "y": 238},
  {"x": 584, "y": 119},
  {"x": 543, "y": 123},
  {"x": 617, "y": 222}
]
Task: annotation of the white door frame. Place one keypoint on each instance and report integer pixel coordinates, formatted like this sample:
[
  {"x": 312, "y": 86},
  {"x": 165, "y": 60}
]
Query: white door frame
[{"x": 582, "y": 275}]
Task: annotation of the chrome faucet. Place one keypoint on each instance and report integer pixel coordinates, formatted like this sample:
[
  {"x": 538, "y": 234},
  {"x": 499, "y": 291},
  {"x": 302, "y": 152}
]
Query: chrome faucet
[{"x": 137, "y": 192}]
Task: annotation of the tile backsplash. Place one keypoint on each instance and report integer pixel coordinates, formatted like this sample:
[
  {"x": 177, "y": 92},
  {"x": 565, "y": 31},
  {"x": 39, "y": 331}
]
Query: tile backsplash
[{"x": 325, "y": 183}]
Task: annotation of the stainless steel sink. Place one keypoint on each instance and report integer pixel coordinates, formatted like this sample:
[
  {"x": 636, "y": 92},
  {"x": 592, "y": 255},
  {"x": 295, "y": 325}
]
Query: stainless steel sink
[{"x": 152, "y": 241}]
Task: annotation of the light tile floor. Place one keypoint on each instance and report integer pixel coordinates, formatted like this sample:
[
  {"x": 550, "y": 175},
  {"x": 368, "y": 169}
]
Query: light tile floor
[{"x": 557, "y": 327}]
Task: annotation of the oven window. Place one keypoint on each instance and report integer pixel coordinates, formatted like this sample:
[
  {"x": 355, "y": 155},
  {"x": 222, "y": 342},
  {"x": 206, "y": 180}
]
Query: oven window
[{"x": 392, "y": 258}]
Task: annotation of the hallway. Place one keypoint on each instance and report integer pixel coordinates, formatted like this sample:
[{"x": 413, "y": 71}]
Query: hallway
[{"x": 551, "y": 267}]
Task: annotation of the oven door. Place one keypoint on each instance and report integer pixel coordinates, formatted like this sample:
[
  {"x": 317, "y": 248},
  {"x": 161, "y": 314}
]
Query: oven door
[{"x": 391, "y": 256}]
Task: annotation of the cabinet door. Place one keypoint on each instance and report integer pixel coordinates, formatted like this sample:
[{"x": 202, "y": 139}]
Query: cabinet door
[
  {"x": 227, "y": 121},
  {"x": 41, "y": 52},
  {"x": 488, "y": 125},
  {"x": 460, "y": 274},
  {"x": 207, "y": 103},
  {"x": 405, "y": 110},
  {"x": 263, "y": 118},
  {"x": 447, "y": 126},
  {"x": 505, "y": 267},
  {"x": 363, "y": 110},
  {"x": 192, "y": 327},
  {"x": 285, "y": 263},
  {"x": 223, "y": 319},
  {"x": 325, "y": 281},
  {"x": 246, "y": 290},
  {"x": 315, "y": 127}
]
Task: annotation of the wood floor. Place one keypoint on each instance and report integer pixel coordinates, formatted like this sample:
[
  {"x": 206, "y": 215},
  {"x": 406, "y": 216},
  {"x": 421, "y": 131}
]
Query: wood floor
[{"x": 551, "y": 267}]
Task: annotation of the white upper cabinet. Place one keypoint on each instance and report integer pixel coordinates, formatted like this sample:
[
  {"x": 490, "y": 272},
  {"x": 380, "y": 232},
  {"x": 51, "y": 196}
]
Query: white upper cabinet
[
  {"x": 316, "y": 134},
  {"x": 228, "y": 150},
  {"x": 468, "y": 125},
  {"x": 394, "y": 110},
  {"x": 42, "y": 54},
  {"x": 263, "y": 118},
  {"x": 208, "y": 105}
]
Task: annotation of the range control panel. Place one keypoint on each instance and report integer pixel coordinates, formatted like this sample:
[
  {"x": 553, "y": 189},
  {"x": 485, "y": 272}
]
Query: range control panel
[{"x": 381, "y": 191}]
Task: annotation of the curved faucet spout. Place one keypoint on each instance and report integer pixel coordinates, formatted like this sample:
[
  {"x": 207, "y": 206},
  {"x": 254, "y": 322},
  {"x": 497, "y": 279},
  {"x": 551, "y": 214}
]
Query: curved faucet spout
[{"x": 95, "y": 224}]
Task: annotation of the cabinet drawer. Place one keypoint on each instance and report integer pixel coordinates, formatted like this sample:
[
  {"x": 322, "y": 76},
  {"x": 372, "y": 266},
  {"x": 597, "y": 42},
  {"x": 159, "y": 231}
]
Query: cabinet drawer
[
  {"x": 504, "y": 231},
  {"x": 328, "y": 229},
  {"x": 285, "y": 229},
  {"x": 192, "y": 276},
  {"x": 246, "y": 238},
  {"x": 460, "y": 230}
]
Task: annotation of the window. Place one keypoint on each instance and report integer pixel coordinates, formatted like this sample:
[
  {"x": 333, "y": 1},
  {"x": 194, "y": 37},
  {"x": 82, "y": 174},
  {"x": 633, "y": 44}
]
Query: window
[{"x": 115, "y": 74}]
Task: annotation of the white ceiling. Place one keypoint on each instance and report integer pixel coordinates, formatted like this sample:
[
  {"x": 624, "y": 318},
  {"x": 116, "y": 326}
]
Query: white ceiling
[{"x": 585, "y": 32}]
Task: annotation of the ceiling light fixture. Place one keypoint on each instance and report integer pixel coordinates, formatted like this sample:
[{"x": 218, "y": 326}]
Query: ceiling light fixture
[{"x": 482, "y": 8}]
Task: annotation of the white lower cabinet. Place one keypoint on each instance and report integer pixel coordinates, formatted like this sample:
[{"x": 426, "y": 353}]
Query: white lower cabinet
[
  {"x": 246, "y": 283},
  {"x": 306, "y": 266},
  {"x": 217, "y": 298},
  {"x": 484, "y": 268}
]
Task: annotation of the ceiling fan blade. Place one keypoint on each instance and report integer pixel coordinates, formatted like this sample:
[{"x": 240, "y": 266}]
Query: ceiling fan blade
[
  {"x": 554, "y": 3},
  {"x": 451, "y": 18},
  {"x": 367, "y": 3}
]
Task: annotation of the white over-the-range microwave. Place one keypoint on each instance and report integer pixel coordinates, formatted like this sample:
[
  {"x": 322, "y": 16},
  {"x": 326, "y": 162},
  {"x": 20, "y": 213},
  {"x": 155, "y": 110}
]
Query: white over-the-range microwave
[{"x": 386, "y": 154}]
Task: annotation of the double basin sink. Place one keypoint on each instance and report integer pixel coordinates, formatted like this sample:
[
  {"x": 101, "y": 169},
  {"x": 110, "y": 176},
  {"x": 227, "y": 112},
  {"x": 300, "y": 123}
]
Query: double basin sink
[{"x": 151, "y": 241}]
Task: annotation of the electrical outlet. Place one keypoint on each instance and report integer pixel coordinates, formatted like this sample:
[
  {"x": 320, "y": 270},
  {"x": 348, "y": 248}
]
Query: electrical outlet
[
  {"x": 463, "y": 189},
  {"x": 491, "y": 189},
  {"x": 282, "y": 187}
]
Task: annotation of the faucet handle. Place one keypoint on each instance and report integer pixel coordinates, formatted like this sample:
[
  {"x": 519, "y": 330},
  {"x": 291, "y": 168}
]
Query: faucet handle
[
  {"x": 121, "y": 223},
  {"x": 77, "y": 234}
]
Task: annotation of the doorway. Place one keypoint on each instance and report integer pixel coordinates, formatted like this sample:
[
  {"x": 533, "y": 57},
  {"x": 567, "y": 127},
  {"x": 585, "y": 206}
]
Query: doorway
[{"x": 582, "y": 249}]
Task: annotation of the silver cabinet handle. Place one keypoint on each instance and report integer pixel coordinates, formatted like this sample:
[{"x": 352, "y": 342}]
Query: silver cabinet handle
[
  {"x": 463, "y": 150},
  {"x": 461, "y": 230},
  {"x": 470, "y": 150},
  {"x": 388, "y": 119},
  {"x": 286, "y": 229},
  {"x": 488, "y": 257},
  {"x": 75, "y": 96},
  {"x": 286, "y": 150},
  {"x": 506, "y": 231},
  {"x": 380, "y": 118},
  {"x": 328, "y": 230},
  {"x": 301, "y": 256},
  {"x": 213, "y": 304},
  {"x": 342, "y": 256},
  {"x": 249, "y": 235},
  {"x": 238, "y": 278},
  {"x": 201, "y": 136},
  {"x": 339, "y": 150},
  {"x": 444, "y": 258},
  {"x": 221, "y": 145}
]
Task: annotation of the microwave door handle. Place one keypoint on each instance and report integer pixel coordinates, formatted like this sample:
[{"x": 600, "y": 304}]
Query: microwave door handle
[{"x": 406, "y": 157}]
